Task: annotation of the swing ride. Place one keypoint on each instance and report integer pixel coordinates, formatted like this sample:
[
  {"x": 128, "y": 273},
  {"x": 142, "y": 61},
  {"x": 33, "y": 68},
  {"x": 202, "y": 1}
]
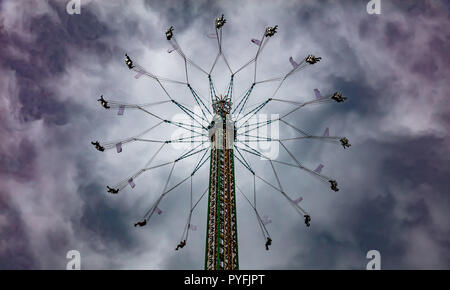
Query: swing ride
[{"x": 218, "y": 131}]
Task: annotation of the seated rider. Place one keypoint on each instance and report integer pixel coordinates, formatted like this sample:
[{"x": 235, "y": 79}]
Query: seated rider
[
  {"x": 103, "y": 102},
  {"x": 112, "y": 190},
  {"x": 98, "y": 146},
  {"x": 220, "y": 22},
  {"x": 307, "y": 220},
  {"x": 344, "y": 142},
  {"x": 268, "y": 243},
  {"x": 337, "y": 96},
  {"x": 334, "y": 185},
  {"x": 311, "y": 59},
  {"x": 128, "y": 61},
  {"x": 141, "y": 223},
  {"x": 270, "y": 31},
  {"x": 181, "y": 245},
  {"x": 169, "y": 33}
]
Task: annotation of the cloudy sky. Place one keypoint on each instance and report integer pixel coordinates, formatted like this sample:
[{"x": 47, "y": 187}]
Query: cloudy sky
[{"x": 394, "y": 185}]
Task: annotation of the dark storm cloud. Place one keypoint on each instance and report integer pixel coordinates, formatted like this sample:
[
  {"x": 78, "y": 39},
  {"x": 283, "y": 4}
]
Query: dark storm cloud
[
  {"x": 100, "y": 218},
  {"x": 393, "y": 195},
  {"x": 182, "y": 14},
  {"x": 412, "y": 172},
  {"x": 49, "y": 55},
  {"x": 374, "y": 221},
  {"x": 395, "y": 33},
  {"x": 19, "y": 161},
  {"x": 15, "y": 251}
]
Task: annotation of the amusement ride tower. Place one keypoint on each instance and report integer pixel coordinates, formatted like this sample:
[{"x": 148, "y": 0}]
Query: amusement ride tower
[
  {"x": 227, "y": 130},
  {"x": 221, "y": 232}
]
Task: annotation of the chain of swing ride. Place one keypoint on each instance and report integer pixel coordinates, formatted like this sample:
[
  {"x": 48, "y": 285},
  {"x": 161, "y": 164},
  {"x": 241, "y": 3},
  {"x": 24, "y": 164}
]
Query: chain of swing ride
[{"x": 200, "y": 122}]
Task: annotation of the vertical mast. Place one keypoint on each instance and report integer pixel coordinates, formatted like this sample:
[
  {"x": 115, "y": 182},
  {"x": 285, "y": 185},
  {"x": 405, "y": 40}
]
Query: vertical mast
[{"x": 221, "y": 236}]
